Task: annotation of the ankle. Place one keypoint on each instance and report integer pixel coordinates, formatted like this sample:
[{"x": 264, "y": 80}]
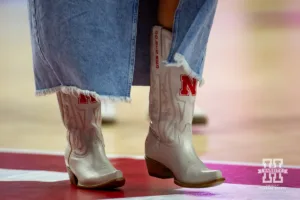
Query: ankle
[
  {"x": 166, "y": 24},
  {"x": 166, "y": 13}
]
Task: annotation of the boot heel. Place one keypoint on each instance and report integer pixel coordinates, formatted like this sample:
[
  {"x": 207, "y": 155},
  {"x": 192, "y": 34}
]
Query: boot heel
[
  {"x": 72, "y": 177},
  {"x": 157, "y": 169}
]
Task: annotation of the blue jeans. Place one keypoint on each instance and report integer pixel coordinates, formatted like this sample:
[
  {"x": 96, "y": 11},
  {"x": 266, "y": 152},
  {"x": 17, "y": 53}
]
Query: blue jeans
[{"x": 101, "y": 48}]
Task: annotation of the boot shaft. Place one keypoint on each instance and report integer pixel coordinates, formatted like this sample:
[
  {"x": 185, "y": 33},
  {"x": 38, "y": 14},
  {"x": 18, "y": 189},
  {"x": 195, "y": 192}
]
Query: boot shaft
[
  {"x": 81, "y": 116},
  {"x": 172, "y": 91},
  {"x": 79, "y": 112}
]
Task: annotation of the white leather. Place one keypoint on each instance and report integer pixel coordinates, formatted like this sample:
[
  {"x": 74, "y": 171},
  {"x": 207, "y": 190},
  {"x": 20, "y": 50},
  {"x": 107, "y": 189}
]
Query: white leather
[
  {"x": 169, "y": 140},
  {"x": 85, "y": 153}
]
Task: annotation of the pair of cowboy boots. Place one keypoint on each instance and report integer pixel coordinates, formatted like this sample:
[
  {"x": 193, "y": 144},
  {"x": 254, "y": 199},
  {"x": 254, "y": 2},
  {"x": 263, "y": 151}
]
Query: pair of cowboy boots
[{"x": 169, "y": 152}]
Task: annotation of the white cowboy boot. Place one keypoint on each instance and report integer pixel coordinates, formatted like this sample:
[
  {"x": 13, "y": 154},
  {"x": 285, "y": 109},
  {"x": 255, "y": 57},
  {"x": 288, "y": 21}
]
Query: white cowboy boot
[
  {"x": 199, "y": 117},
  {"x": 169, "y": 149},
  {"x": 85, "y": 157}
]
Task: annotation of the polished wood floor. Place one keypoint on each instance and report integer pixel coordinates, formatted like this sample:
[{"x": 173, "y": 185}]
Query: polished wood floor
[{"x": 251, "y": 93}]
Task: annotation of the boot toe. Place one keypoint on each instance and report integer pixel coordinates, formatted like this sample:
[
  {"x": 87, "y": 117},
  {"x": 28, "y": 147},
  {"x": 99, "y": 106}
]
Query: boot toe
[
  {"x": 201, "y": 179},
  {"x": 196, "y": 175},
  {"x": 211, "y": 175},
  {"x": 102, "y": 180}
]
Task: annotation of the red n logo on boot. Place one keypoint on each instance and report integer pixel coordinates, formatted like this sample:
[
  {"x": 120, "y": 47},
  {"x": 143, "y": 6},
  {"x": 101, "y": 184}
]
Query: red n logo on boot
[
  {"x": 83, "y": 99},
  {"x": 188, "y": 86}
]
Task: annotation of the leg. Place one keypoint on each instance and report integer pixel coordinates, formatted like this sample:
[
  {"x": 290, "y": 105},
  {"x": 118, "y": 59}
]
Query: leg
[
  {"x": 169, "y": 148},
  {"x": 73, "y": 62},
  {"x": 166, "y": 12}
]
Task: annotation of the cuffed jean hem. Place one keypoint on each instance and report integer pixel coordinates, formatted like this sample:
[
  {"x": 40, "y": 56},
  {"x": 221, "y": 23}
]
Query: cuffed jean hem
[
  {"x": 71, "y": 90},
  {"x": 180, "y": 61}
]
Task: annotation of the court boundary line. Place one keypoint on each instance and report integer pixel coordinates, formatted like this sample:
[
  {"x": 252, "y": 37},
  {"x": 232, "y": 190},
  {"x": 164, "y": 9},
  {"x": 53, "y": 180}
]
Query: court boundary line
[{"x": 57, "y": 153}]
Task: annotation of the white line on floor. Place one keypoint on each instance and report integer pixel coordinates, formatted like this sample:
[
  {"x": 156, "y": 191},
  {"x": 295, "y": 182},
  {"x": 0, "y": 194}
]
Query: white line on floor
[{"x": 41, "y": 152}]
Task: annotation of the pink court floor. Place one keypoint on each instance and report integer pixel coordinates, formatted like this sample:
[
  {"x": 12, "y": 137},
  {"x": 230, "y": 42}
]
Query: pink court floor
[{"x": 33, "y": 175}]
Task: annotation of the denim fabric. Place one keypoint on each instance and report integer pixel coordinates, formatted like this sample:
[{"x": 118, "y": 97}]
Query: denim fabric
[{"x": 101, "y": 47}]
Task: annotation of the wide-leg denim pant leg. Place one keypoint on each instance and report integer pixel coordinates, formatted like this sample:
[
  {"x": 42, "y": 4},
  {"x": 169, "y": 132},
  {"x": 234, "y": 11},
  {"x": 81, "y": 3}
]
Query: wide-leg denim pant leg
[{"x": 101, "y": 47}]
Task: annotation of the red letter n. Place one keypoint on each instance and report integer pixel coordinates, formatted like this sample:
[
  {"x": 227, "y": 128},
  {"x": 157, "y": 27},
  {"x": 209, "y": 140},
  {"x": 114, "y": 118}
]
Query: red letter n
[
  {"x": 188, "y": 86},
  {"x": 83, "y": 99}
]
